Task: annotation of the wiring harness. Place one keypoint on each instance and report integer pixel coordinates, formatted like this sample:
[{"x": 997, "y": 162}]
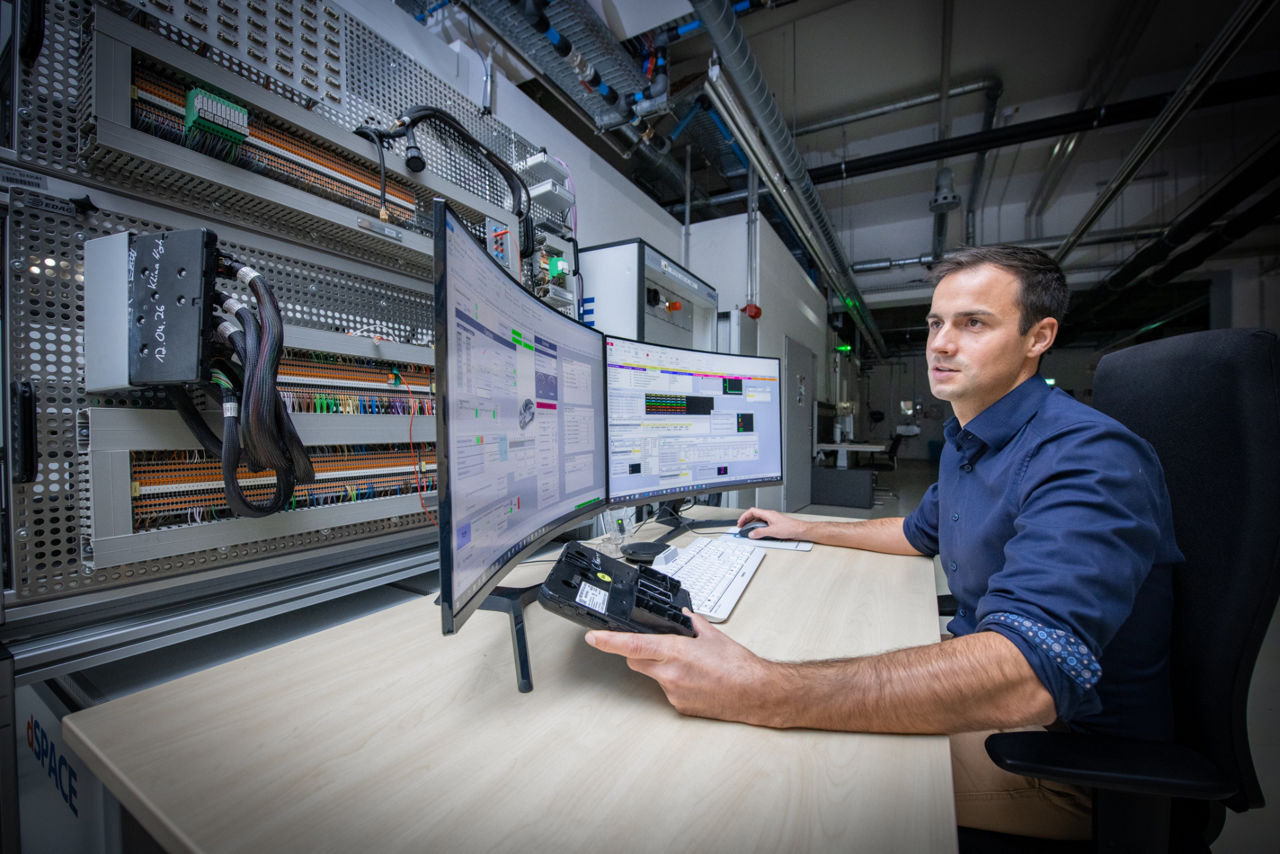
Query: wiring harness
[
  {"x": 404, "y": 127},
  {"x": 256, "y": 427}
]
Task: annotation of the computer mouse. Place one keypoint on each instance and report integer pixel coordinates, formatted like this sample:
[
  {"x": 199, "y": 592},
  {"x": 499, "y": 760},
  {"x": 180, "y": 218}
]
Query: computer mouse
[{"x": 746, "y": 529}]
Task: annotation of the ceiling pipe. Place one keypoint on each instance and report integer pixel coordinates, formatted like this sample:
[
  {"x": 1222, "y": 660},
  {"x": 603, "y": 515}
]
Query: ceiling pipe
[
  {"x": 1044, "y": 244},
  {"x": 1262, "y": 85},
  {"x": 740, "y": 67},
  {"x": 897, "y": 106},
  {"x": 1259, "y": 213},
  {"x": 1241, "y": 25},
  {"x": 660, "y": 161},
  {"x": 980, "y": 168},
  {"x": 546, "y": 82},
  {"x": 1244, "y": 180},
  {"x": 945, "y": 199},
  {"x": 1130, "y": 22}
]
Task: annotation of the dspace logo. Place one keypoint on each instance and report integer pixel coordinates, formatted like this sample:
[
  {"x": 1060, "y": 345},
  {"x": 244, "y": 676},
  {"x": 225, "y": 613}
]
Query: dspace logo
[{"x": 46, "y": 753}]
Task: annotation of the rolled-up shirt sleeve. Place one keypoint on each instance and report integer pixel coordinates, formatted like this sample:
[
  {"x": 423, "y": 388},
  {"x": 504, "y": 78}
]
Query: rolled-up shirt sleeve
[
  {"x": 921, "y": 527},
  {"x": 1085, "y": 538}
]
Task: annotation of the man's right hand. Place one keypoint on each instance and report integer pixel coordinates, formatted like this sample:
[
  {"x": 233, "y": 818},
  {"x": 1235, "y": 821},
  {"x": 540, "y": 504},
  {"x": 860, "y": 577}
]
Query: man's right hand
[{"x": 779, "y": 525}]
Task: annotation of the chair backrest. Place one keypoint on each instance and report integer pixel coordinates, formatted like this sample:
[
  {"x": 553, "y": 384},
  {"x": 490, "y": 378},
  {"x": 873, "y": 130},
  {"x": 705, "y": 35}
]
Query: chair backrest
[
  {"x": 894, "y": 444},
  {"x": 1209, "y": 402}
]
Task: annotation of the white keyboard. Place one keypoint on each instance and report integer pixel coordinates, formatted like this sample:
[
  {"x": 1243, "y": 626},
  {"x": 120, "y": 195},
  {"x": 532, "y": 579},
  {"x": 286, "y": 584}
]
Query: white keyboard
[{"x": 715, "y": 572}]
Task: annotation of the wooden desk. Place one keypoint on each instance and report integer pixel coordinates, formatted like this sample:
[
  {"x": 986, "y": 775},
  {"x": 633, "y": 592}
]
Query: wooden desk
[{"x": 383, "y": 735}]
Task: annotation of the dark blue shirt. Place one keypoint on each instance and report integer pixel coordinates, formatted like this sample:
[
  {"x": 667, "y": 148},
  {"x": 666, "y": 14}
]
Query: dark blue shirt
[{"x": 1053, "y": 526}]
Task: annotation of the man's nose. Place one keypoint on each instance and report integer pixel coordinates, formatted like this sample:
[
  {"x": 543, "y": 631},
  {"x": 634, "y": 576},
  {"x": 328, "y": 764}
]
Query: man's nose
[{"x": 941, "y": 340}]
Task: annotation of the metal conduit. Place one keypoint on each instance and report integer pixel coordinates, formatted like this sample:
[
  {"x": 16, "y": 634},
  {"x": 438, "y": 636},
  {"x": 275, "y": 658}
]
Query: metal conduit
[
  {"x": 740, "y": 67},
  {"x": 1261, "y": 85},
  {"x": 1045, "y": 244},
  {"x": 1131, "y": 21},
  {"x": 672, "y": 173},
  {"x": 1244, "y": 180},
  {"x": 1241, "y": 25},
  {"x": 898, "y": 106}
]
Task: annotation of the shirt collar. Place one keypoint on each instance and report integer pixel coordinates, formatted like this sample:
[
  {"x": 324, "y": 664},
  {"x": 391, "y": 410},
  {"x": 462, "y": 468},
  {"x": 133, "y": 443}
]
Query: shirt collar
[{"x": 1001, "y": 421}]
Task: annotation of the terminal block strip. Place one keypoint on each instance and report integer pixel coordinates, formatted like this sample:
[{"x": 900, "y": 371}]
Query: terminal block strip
[
  {"x": 163, "y": 108},
  {"x": 176, "y": 488}
]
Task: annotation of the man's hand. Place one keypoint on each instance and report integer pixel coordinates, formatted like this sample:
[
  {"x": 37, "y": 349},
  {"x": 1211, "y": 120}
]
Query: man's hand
[
  {"x": 710, "y": 676},
  {"x": 980, "y": 681},
  {"x": 779, "y": 525}
]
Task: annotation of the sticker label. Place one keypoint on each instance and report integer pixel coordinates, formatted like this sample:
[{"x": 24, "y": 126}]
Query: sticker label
[{"x": 593, "y": 598}]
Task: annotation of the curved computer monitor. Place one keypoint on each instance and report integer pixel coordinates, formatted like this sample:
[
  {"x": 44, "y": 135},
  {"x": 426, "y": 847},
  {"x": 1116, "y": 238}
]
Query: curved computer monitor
[
  {"x": 520, "y": 425},
  {"x": 683, "y": 422}
]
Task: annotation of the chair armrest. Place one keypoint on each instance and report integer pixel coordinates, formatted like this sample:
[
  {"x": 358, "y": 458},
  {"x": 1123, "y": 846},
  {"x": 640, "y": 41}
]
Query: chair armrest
[{"x": 1120, "y": 764}]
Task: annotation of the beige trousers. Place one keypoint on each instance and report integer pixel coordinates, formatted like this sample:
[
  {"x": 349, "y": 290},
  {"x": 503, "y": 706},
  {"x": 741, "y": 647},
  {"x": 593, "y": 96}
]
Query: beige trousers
[{"x": 989, "y": 798}]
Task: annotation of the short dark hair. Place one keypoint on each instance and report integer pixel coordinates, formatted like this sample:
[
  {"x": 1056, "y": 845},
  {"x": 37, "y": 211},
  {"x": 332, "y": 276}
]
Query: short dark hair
[{"x": 1044, "y": 291}]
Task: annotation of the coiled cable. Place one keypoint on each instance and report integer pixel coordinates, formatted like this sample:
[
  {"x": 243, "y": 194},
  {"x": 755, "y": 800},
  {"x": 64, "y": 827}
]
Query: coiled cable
[{"x": 255, "y": 423}]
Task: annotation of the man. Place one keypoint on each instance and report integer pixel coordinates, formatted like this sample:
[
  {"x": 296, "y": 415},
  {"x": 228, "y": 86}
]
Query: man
[{"x": 1052, "y": 523}]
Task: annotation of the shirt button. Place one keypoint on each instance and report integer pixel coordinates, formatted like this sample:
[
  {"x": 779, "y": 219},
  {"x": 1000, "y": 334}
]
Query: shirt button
[
  {"x": 955, "y": 517},
  {"x": 966, "y": 467},
  {"x": 962, "y": 612},
  {"x": 952, "y": 567}
]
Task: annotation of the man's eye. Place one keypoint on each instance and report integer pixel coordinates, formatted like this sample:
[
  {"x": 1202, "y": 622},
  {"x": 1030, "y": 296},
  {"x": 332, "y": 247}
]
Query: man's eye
[{"x": 973, "y": 321}]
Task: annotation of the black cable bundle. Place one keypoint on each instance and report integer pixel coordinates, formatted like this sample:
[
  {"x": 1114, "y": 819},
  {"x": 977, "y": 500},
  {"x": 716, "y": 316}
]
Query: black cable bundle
[
  {"x": 255, "y": 423},
  {"x": 521, "y": 201}
]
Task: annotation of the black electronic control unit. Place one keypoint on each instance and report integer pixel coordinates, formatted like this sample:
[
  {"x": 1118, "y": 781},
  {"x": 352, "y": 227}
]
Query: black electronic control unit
[
  {"x": 171, "y": 280},
  {"x": 601, "y": 592}
]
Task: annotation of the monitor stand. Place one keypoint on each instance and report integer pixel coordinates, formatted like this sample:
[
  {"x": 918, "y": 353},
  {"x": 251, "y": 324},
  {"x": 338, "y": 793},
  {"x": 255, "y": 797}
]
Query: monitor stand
[
  {"x": 512, "y": 601},
  {"x": 669, "y": 514}
]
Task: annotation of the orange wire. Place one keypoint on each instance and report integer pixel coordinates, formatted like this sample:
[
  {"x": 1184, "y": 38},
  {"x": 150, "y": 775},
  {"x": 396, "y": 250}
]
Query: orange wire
[{"x": 413, "y": 408}]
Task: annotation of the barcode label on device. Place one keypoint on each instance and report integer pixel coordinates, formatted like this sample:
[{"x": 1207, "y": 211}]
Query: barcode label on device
[{"x": 593, "y": 598}]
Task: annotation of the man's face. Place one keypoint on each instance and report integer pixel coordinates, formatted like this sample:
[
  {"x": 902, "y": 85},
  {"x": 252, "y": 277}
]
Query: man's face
[{"x": 976, "y": 354}]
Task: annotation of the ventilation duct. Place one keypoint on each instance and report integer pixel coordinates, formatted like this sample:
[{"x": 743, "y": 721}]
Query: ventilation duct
[{"x": 774, "y": 155}]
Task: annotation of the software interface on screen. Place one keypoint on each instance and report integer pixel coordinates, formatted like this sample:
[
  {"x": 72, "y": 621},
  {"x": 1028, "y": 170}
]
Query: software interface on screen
[
  {"x": 684, "y": 421},
  {"x": 525, "y": 425}
]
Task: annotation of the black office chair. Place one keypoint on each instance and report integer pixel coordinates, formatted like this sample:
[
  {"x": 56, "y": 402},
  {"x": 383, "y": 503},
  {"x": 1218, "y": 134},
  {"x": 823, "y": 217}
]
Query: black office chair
[
  {"x": 890, "y": 461},
  {"x": 888, "y": 464},
  {"x": 1209, "y": 403}
]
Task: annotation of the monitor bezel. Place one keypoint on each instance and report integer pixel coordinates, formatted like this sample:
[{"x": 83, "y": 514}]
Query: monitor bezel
[
  {"x": 724, "y": 486},
  {"x": 453, "y": 615}
]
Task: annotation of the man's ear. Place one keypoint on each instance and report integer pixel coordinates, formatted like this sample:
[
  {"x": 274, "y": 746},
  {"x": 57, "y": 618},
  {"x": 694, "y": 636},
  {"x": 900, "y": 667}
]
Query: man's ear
[{"x": 1042, "y": 336}]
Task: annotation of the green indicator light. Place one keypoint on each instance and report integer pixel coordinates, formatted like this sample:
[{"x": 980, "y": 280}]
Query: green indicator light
[{"x": 844, "y": 348}]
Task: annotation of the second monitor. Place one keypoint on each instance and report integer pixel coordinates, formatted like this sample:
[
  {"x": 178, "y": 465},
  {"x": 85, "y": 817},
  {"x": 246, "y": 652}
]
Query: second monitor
[{"x": 682, "y": 422}]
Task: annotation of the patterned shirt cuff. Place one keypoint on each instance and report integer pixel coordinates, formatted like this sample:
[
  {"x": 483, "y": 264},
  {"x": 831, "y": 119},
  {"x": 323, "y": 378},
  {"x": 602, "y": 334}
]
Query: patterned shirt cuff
[{"x": 1062, "y": 648}]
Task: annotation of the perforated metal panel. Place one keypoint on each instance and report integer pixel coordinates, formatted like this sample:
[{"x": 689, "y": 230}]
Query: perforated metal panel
[
  {"x": 49, "y": 91},
  {"x": 46, "y": 317},
  {"x": 362, "y": 79}
]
